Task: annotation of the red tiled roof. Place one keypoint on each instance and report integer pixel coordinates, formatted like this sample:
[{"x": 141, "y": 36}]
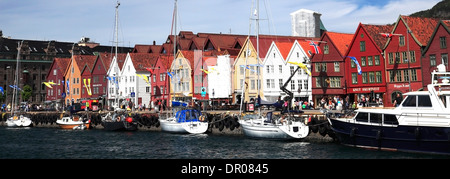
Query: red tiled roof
[
  {"x": 85, "y": 60},
  {"x": 143, "y": 60},
  {"x": 284, "y": 48},
  {"x": 340, "y": 40},
  {"x": 374, "y": 32},
  {"x": 422, "y": 28}
]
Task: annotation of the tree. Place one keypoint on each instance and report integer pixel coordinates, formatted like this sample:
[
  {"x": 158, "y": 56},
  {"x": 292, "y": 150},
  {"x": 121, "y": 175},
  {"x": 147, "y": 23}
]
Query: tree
[{"x": 26, "y": 92}]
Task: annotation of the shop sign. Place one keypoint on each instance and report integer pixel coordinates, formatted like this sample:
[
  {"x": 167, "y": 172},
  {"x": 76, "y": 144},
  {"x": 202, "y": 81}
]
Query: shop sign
[{"x": 369, "y": 89}]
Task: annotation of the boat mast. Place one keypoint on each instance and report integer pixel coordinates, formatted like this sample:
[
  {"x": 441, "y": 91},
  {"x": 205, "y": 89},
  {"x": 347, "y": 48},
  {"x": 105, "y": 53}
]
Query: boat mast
[
  {"x": 116, "y": 41},
  {"x": 16, "y": 80}
]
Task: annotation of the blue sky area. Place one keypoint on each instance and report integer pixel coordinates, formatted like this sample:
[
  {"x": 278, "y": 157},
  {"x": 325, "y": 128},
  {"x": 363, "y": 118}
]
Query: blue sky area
[{"x": 143, "y": 21}]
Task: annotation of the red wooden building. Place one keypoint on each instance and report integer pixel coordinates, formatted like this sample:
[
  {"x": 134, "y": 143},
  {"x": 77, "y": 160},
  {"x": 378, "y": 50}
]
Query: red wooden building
[
  {"x": 328, "y": 69},
  {"x": 56, "y": 75},
  {"x": 403, "y": 68},
  {"x": 366, "y": 47},
  {"x": 436, "y": 51}
]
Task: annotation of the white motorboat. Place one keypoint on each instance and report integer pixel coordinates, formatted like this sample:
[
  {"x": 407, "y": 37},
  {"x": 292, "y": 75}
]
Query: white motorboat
[{"x": 420, "y": 124}]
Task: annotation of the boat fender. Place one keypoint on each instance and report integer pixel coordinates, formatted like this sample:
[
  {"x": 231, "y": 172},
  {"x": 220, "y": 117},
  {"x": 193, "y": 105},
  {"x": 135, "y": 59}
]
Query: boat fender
[
  {"x": 323, "y": 130},
  {"x": 201, "y": 118},
  {"x": 118, "y": 118},
  {"x": 236, "y": 119},
  {"x": 221, "y": 125}
]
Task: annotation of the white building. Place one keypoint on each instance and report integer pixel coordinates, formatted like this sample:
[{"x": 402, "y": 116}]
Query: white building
[
  {"x": 219, "y": 78},
  {"x": 277, "y": 70},
  {"x": 306, "y": 23},
  {"x": 112, "y": 74}
]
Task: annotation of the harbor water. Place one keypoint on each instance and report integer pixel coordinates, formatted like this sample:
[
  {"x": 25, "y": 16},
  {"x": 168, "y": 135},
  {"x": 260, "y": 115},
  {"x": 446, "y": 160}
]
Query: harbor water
[{"x": 54, "y": 143}]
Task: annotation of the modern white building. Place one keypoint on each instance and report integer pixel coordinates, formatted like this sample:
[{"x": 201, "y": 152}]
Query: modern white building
[
  {"x": 219, "y": 78},
  {"x": 306, "y": 23}
]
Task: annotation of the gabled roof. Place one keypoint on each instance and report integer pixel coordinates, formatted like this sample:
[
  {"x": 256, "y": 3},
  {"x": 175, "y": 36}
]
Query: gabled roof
[
  {"x": 374, "y": 32},
  {"x": 143, "y": 60},
  {"x": 284, "y": 48},
  {"x": 445, "y": 24},
  {"x": 422, "y": 28},
  {"x": 340, "y": 40}
]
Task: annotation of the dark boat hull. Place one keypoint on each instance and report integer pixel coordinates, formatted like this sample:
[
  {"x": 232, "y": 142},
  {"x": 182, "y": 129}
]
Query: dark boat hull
[
  {"x": 119, "y": 126},
  {"x": 418, "y": 139}
]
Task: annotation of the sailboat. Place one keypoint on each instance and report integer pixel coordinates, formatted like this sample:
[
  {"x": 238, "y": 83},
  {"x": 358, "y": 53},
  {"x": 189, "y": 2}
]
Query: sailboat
[
  {"x": 183, "y": 119},
  {"x": 16, "y": 119},
  {"x": 287, "y": 126},
  {"x": 121, "y": 119}
]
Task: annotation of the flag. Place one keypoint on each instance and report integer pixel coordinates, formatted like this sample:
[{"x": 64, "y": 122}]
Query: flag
[
  {"x": 314, "y": 47},
  {"x": 387, "y": 35},
  {"x": 150, "y": 70},
  {"x": 109, "y": 78},
  {"x": 68, "y": 89},
  {"x": 248, "y": 68},
  {"x": 2, "y": 91},
  {"x": 47, "y": 84},
  {"x": 206, "y": 71},
  {"x": 303, "y": 66},
  {"x": 170, "y": 74},
  {"x": 357, "y": 64}
]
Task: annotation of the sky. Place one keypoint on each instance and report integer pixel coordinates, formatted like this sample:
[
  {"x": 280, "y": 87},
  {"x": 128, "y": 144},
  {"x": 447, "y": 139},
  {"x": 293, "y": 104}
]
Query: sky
[{"x": 145, "y": 21}]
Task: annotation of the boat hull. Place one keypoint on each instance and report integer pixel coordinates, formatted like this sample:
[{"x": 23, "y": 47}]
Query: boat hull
[
  {"x": 270, "y": 131},
  {"x": 393, "y": 138},
  {"x": 193, "y": 127},
  {"x": 119, "y": 126},
  {"x": 21, "y": 122},
  {"x": 71, "y": 126}
]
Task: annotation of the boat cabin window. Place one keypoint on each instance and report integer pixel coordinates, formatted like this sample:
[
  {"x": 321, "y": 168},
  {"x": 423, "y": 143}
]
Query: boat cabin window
[
  {"x": 410, "y": 101},
  {"x": 390, "y": 119},
  {"x": 362, "y": 117},
  {"x": 376, "y": 118},
  {"x": 424, "y": 101},
  {"x": 417, "y": 101}
]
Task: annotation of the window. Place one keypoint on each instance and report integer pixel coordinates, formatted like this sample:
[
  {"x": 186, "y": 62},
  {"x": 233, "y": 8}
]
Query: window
[
  {"x": 405, "y": 57},
  {"x": 318, "y": 82},
  {"x": 280, "y": 69},
  {"x": 398, "y": 75},
  {"x": 391, "y": 58},
  {"x": 305, "y": 84},
  {"x": 371, "y": 77},
  {"x": 401, "y": 41},
  {"x": 363, "y": 61},
  {"x": 364, "y": 77},
  {"x": 336, "y": 67},
  {"x": 378, "y": 77},
  {"x": 335, "y": 82},
  {"x": 354, "y": 78},
  {"x": 444, "y": 57},
  {"x": 268, "y": 84},
  {"x": 410, "y": 101},
  {"x": 424, "y": 101},
  {"x": 54, "y": 72},
  {"x": 362, "y": 46},
  {"x": 280, "y": 82},
  {"x": 362, "y": 117},
  {"x": 377, "y": 60},
  {"x": 326, "y": 49},
  {"x": 443, "y": 42},
  {"x": 406, "y": 74},
  {"x": 412, "y": 56},
  {"x": 292, "y": 69},
  {"x": 397, "y": 57},
  {"x": 252, "y": 84},
  {"x": 370, "y": 60},
  {"x": 292, "y": 85},
  {"x": 390, "y": 119},
  {"x": 413, "y": 75},
  {"x": 376, "y": 118},
  {"x": 432, "y": 60}
]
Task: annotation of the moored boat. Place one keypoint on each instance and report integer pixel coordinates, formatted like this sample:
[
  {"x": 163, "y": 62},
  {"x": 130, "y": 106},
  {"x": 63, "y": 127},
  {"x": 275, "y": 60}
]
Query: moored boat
[
  {"x": 183, "y": 120},
  {"x": 74, "y": 122},
  {"x": 119, "y": 120},
  {"x": 421, "y": 123}
]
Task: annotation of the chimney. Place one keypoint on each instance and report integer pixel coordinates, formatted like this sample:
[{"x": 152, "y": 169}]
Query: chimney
[
  {"x": 306, "y": 23},
  {"x": 154, "y": 42}
]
